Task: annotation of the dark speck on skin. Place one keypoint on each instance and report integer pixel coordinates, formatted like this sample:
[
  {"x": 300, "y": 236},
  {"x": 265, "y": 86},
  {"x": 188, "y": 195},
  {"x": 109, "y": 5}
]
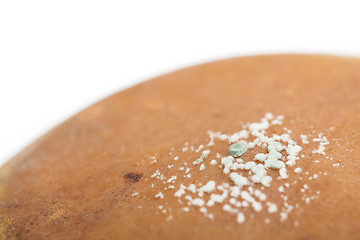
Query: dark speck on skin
[
  {"x": 217, "y": 115},
  {"x": 134, "y": 176}
]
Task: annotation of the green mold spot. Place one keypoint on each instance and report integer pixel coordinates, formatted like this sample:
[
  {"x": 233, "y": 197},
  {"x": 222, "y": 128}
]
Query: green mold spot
[{"x": 238, "y": 149}]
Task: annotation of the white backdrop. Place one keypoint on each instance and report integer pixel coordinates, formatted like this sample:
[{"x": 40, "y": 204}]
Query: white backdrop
[{"x": 57, "y": 57}]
